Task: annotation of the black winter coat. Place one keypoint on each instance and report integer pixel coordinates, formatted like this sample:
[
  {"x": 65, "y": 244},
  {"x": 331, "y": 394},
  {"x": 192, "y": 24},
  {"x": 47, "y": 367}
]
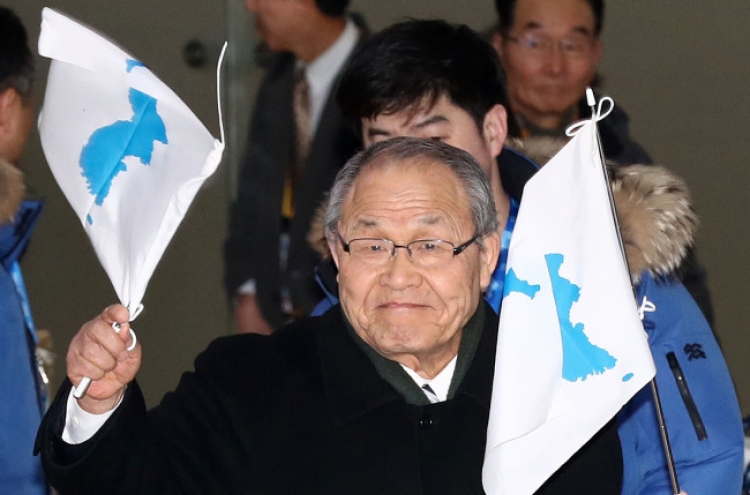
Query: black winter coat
[{"x": 303, "y": 411}]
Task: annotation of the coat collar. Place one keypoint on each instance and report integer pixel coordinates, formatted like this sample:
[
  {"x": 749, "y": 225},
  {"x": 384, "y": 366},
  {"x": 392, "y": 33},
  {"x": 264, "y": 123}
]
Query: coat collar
[{"x": 353, "y": 386}]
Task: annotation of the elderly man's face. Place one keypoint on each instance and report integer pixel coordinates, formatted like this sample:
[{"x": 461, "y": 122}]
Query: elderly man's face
[
  {"x": 550, "y": 56},
  {"x": 408, "y": 313}
]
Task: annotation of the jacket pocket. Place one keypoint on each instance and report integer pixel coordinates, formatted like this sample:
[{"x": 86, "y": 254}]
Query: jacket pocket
[{"x": 687, "y": 398}]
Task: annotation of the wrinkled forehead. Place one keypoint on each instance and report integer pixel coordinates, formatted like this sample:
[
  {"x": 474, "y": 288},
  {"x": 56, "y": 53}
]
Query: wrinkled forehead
[{"x": 414, "y": 191}]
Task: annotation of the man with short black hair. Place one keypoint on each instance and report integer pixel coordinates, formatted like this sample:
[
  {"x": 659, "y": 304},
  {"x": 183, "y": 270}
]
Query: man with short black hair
[
  {"x": 298, "y": 141},
  {"x": 448, "y": 87}
]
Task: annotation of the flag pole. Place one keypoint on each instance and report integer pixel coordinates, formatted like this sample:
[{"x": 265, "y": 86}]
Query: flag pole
[{"x": 591, "y": 101}]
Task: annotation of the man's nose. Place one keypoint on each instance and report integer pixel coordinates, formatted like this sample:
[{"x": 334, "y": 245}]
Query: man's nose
[
  {"x": 555, "y": 59},
  {"x": 401, "y": 272}
]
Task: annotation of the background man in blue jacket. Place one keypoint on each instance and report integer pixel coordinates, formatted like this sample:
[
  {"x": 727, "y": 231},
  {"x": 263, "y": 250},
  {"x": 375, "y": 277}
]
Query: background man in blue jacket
[{"x": 23, "y": 404}]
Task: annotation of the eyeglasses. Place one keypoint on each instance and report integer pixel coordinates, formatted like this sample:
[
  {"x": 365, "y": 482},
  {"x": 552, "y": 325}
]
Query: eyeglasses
[
  {"x": 536, "y": 45},
  {"x": 426, "y": 253}
]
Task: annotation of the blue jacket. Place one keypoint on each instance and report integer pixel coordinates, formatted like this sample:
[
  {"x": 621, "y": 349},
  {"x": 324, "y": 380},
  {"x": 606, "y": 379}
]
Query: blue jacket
[
  {"x": 22, "y": 406},
  {"x": 697, "y": 397}
]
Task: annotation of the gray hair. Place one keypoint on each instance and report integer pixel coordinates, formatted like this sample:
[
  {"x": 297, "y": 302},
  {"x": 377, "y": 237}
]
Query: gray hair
[{"x": 395, "y": 150}]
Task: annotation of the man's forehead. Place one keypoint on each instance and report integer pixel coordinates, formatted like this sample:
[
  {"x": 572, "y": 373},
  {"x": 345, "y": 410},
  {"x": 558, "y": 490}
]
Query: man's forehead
[
  {"x": 367, "y": 221},
  {"x": 575, "y": 15},
  {"x": 427, "y": 189},
  {"x": 416, "y": 114},
  {"x": 426, "y": 119}
]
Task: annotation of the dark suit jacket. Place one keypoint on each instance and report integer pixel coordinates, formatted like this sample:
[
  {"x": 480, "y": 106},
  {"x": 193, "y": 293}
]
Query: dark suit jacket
[
  {"x": 303, "y": 411},
  {"x": 252, "y": 247}
]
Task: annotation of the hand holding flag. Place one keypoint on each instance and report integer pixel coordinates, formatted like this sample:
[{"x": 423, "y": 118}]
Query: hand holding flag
[{"x": 129, "y": 155}]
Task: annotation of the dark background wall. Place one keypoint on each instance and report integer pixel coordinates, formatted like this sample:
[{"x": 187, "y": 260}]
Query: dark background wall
[{"x": 680, "y": 69}]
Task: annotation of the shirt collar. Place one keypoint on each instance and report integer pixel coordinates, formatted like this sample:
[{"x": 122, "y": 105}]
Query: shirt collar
[
  {"x": 440, "y": 384},
  {"x": 353, "y": 372},
  {"x": 322, "y": 71}
]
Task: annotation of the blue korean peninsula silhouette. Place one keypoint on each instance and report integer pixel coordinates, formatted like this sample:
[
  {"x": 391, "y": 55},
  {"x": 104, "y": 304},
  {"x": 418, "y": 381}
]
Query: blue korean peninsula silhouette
[
  {"x": 103, "y": 156},
  {"x": 581, "y": 358}
]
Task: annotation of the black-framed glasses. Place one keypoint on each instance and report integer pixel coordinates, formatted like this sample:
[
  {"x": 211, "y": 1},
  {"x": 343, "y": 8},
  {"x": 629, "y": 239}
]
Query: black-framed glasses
[{"x": 427, "y": 253}]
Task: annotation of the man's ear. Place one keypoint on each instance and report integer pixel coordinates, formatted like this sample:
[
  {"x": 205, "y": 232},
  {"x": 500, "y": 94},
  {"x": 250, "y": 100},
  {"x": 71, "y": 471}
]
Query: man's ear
[
  {"x": 495, "y": 129},
  {"x": 489, "y": 255},
  {"x": 13, "y": 120},
  {"x": 10, "y": 105},
  {"x": 332, "y": 247}
]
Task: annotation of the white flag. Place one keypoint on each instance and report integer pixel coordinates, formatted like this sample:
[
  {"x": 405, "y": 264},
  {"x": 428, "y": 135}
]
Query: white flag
[
  {"x": 571, "y": 349},
  {"x": 126, "y": 151}
]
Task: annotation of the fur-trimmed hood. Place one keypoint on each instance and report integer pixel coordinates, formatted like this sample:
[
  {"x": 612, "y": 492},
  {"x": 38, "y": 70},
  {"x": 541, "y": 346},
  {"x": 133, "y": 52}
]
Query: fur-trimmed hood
[
  {"x": 12, "y": 191},
  {"x": 653, "y": 208},
  {"x": 653, "y": 205}
]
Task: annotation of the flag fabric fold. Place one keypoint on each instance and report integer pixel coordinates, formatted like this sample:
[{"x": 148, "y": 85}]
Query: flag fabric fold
[
  {"x": 571, "y": 348},
  {"x": 127, "y": 152}
]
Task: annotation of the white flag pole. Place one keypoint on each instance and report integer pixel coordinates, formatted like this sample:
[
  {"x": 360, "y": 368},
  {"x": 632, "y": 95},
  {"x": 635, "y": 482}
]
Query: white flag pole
[{"x": 591, "y": 100}]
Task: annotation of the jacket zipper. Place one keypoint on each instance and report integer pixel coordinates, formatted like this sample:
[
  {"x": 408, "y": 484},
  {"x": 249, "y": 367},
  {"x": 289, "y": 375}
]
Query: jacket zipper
[{"x": 687, "y": 398}]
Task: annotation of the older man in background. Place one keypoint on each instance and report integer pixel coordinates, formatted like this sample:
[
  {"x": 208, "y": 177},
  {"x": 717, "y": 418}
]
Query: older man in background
[{"x": 550, "y": 50}]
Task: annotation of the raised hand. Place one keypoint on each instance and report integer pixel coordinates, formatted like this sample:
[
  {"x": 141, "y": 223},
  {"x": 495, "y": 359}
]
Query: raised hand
[{"x": 100, "y": 353}]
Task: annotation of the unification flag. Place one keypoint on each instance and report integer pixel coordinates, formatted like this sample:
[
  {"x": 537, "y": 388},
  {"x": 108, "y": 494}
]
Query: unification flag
[
  {"x": 571, "y": 348},
  {"x": 129, "y": 155}
]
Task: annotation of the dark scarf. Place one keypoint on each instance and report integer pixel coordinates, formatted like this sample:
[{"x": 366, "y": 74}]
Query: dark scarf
[{"x": 394, "y": 374}]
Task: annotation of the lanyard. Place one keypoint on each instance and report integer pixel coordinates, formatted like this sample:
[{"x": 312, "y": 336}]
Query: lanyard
[
  {"x": 43, "y": 380},
  {"x": 15, "y": 273},
  {"x": 494, "y": 294}
]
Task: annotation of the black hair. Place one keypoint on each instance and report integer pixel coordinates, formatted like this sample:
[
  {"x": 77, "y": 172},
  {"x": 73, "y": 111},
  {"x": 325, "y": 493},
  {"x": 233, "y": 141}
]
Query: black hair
[
  {"x": 333, "y": 8},
  {"x": 418, "y": 61},
  {"x": 16, "y": 60},
  {"x": 506, "y": 14}
]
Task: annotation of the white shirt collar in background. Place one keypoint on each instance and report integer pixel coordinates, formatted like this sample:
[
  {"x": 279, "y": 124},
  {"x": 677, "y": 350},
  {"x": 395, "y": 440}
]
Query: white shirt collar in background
[{"x": 322, "y": 72}]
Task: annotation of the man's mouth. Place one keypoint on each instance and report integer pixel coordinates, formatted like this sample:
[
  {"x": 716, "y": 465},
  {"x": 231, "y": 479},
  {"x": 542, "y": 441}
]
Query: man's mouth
[{"x": 396, "y": 305}]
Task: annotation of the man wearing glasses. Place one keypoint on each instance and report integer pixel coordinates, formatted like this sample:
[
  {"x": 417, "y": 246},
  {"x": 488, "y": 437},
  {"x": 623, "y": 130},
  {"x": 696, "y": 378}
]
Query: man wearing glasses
[
  {"x": 387, "y": 394},
  {"x": 550, "y": 50}
]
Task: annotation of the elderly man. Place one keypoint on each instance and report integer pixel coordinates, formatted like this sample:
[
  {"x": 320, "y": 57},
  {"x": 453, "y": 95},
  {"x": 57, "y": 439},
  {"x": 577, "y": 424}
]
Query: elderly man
[
  {"x": 433, "y": 80},
  {"x": 387, "y": 394},
  {"x": 550, "y": 50},
  {"x": 21, "y": 378}
]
